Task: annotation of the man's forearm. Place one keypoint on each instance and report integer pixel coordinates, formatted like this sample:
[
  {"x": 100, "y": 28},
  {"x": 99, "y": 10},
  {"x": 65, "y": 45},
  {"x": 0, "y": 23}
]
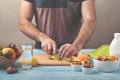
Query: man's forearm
[
  {"x": 30, "y": 30},
  {"x": 85, "y": 33},
  {"x": 89, "y": 24}
]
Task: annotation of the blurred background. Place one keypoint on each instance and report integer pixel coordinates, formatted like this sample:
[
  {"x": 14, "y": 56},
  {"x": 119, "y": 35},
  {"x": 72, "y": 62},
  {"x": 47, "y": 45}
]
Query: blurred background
[{"x": 108, "y": 23}]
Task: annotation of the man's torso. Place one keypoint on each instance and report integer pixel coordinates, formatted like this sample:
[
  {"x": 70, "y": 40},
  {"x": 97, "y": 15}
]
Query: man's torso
[{"x": 59, "y": 19}]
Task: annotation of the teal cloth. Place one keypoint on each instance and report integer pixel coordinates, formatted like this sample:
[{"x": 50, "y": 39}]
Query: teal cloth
[{"x": 57, "y": 73}]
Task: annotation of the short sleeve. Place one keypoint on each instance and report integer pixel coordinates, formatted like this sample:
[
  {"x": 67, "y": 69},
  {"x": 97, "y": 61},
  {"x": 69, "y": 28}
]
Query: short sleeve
[{"x": 32, "y": 1}]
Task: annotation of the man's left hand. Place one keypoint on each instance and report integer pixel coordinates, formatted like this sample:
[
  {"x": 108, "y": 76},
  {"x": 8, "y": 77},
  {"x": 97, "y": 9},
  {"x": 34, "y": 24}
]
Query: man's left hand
[{"x": 68, "y": 50}]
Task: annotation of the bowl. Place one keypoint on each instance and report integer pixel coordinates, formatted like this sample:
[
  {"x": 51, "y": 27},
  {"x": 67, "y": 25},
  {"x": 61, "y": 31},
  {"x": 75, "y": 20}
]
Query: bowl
[
  {"x": 76, "y": 66},
  {"x": 106, "y": 66},
  {"x": 87, "y": 70}
]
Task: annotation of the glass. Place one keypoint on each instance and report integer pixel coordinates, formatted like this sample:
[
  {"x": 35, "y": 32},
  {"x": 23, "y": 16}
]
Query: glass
[{"x": 27, "y": 52}]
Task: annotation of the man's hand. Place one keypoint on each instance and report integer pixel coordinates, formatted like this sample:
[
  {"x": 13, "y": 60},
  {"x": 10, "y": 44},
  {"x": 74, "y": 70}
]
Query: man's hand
[
  {"x": 68, "y": 50},
  {"x": 48, "y": 45}
]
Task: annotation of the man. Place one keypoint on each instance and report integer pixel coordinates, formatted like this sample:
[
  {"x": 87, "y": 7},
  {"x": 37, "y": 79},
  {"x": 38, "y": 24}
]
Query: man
[{"x": 64, "y": 24}]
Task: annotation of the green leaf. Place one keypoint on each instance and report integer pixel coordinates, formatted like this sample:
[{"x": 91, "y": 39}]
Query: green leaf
[{"x": 101, "y": 51}]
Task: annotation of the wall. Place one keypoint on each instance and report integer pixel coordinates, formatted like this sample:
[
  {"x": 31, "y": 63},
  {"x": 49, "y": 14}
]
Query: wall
[
  {"x": 108, "y": 22},
  {"x": 9, "y": 28}
]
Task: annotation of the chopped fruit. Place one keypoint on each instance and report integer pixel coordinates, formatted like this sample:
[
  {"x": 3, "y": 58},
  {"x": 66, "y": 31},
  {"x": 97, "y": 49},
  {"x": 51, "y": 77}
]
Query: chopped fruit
[
  {"x": 84, "y": 57},
  {"x": 88, "y": 65},
  {"x": 67, "y": 59},
  {"x": 8, "y": 53},
  {"x": 50, "y": 57},
  {"x": 108, "y": 58},
  {"x": 57, "y": 57}
]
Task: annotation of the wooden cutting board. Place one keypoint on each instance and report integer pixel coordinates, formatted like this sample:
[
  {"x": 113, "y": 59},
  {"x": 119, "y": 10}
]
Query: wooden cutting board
[{"x": 44, "y": 61}]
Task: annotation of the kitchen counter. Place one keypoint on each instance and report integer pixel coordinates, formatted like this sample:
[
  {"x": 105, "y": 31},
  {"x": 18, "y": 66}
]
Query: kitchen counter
[{"x": 57, "y": 73}]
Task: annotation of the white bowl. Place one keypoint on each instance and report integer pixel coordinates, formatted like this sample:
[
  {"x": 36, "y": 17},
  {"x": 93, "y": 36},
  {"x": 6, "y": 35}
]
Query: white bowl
[
  {"x": 87, "y": 70},
  {"x": 106, "y": 66},
  {"x": 76, "y": 67}
]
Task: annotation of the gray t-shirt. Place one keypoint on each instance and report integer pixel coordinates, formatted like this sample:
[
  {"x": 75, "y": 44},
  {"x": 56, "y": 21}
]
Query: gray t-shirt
[{"x": 59, "y": 19}]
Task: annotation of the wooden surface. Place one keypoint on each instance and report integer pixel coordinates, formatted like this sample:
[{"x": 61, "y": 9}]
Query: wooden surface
[{"x": 44, "y": 61}]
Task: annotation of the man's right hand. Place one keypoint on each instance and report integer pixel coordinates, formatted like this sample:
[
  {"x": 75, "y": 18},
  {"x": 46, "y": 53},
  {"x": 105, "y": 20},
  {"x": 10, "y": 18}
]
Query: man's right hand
[{"x": 48, "y": 45}]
